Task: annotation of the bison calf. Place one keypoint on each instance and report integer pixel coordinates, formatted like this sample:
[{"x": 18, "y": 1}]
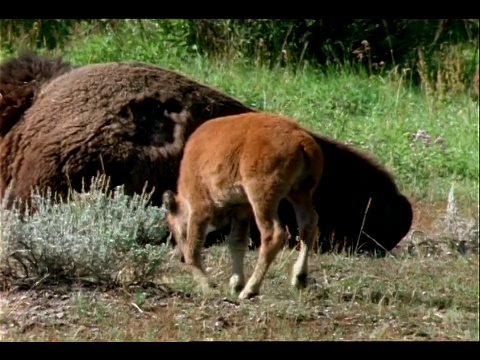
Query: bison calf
[{"x": 240, "y": 166}]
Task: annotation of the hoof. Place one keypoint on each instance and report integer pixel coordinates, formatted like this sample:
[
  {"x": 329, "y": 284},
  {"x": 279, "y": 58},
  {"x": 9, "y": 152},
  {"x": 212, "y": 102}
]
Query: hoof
[
  {"x": 235, "y": 290},
  {"x": 244, "y": 295},
  {"x": 300, "y": 281}
]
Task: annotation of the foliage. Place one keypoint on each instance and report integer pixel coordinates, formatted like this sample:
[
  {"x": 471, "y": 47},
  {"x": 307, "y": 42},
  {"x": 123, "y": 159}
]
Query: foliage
[
  {"x": 376, "y": 43},
  {"x": 98, "y": 236}
]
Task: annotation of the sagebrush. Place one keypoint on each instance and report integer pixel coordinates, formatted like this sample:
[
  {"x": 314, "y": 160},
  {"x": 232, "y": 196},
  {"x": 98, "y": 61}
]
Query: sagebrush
[{"x": 105, "y": 237}]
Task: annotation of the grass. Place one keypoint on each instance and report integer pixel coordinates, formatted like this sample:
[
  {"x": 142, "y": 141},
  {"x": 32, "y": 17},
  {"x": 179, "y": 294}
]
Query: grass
[
  {"x": 379, "y": 113},
  {"x": 347, "y": 299},
  {"x": 427, "y": 289}
]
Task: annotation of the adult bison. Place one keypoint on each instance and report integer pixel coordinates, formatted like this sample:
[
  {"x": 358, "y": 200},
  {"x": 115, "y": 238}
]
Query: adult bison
[{"x": 60, "y": 124}]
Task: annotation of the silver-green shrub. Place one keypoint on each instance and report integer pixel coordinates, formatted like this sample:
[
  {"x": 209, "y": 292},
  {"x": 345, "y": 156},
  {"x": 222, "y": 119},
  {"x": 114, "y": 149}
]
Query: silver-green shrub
[{"x": 107, "y": 237}]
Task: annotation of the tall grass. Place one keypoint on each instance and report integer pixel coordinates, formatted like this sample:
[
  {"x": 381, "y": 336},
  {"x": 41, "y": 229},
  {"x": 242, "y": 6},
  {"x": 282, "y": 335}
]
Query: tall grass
[{"x": 427, "y": 135}]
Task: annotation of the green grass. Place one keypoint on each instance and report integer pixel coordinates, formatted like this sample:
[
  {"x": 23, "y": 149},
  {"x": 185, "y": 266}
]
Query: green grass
[
  {"x": 377, "y": 113},
  {"x": 397, "y": 298},
  {"x": 428, "y": 289}
]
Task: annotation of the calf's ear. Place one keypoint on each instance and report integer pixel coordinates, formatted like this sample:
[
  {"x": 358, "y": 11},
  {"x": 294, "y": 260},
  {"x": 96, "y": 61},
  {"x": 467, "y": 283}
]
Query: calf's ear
[{"x": 168, "y": 200}]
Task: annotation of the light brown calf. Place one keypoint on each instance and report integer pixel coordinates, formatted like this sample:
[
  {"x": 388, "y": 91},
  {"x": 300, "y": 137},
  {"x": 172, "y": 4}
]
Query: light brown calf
[{"x": 240, "y": 166}]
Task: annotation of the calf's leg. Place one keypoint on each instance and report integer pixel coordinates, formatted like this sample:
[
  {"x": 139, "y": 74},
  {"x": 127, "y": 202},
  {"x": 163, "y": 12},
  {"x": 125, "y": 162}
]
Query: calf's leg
[
  {"x": 307, "y": 219},
  {"x": 238, "y": 244},
  {"x": 273, "y": 236}
]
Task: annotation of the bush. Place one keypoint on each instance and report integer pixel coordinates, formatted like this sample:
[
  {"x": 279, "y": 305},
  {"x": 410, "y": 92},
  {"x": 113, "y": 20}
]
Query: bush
[{"x": 96, "y": 236}]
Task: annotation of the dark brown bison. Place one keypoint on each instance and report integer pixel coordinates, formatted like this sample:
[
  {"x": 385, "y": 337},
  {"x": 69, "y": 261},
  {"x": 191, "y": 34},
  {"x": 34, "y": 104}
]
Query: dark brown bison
[
  {"x": 60, "y": 124},
  {"x": 259, "y": 160}
]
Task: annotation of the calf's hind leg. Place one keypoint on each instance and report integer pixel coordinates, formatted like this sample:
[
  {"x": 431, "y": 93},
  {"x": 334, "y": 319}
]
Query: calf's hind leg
[
  {"x": 307, "y": 219},
  {"x": 238, "y": 243},
  {"x": 273, "y": 236}
]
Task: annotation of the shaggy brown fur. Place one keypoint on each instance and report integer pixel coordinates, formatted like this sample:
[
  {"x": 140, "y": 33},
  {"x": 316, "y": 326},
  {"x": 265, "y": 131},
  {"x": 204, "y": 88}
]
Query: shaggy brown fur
[
  {"x": 258, "y": 160},
  {"x": 20, "y": 81},
  {"x": 129, "y": 120}
]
